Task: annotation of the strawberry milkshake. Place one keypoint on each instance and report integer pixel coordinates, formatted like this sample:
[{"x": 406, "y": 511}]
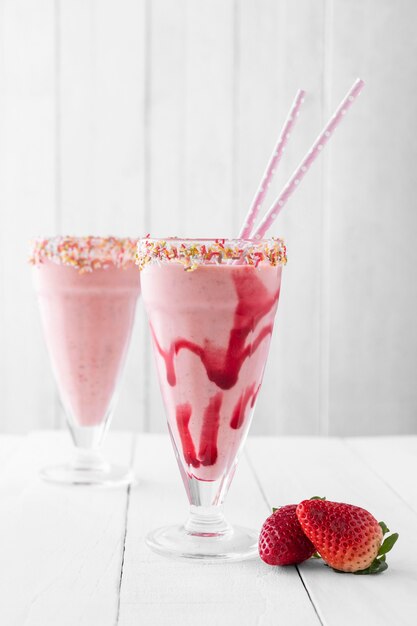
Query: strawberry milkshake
[
  {"x": 87, "y": 290},
  {"x": 211, "y": 306}
]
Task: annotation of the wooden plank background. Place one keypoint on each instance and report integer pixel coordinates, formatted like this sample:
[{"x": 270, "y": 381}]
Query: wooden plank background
[
  {"x": 78, "y": 556},
  {"x": 136, "y": 116}
]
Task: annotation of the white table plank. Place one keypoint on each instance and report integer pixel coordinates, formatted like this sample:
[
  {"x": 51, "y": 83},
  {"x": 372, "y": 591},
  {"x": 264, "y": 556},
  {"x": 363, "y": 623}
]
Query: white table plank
[
  {"x": 394, "y": 459},
  {"x": 209, "y": 120},
  {"x": 294, "y": 469},
  {"x": 61, "y": 547},
  {"x": 27, "y": 200},
  {"x": 160, "y": 591},
  {"x": 164, "y": 137},
  {"x": 372, "y": 382},
  {"x": 101, "y": 139},
  {"x": 8, "y": 446},
  {"x": 268, "y": 32}
]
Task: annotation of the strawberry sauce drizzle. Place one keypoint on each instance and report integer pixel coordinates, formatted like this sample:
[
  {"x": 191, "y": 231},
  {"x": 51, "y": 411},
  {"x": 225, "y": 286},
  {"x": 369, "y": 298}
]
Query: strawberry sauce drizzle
[
  {"x": 223, "y": 365},
  {"x": 207, "y": 452},
  {"x": 239, "y": 411},
  {"x": 183, "y": 414},
  {"x": 168, "y": 356},
  {"x": 254, "y": 397}
]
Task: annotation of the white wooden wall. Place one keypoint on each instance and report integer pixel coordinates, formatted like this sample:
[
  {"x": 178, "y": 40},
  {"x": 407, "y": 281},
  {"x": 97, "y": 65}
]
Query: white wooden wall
[{"x": 136, "y": 116}]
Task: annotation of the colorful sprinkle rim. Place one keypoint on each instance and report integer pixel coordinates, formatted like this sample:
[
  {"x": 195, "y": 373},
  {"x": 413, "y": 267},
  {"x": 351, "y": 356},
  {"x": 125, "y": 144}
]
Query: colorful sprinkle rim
[
  {"x": 191, "y": 253},
  {"x": 84, "y": 253}
]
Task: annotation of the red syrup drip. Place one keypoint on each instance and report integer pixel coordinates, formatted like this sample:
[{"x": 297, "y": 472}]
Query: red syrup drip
[
  {"x": 168, "y": 356},
  {"x": 254, "y": 397},
  {"x": 223, "y": 365},
  {"x": 238, "y": 416},
  {"x": 207, "y": 452},
  {"x": 183, "y": 414}
]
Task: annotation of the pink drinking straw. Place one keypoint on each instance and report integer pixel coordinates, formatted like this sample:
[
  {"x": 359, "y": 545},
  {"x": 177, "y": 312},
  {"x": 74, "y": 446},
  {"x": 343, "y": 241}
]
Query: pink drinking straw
[
  {"x": 312, "y": 154},
  {"x": 249, "y": 222}
]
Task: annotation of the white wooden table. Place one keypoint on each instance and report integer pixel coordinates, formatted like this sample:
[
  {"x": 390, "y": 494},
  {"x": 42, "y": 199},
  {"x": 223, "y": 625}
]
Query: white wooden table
[{"x": 76, "y": 556}]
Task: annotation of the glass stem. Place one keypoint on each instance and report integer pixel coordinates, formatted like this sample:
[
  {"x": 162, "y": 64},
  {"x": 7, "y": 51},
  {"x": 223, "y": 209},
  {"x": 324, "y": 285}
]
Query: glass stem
[
  {"x": 207, "y": 521},
  {"x": 88, "y": 459}
]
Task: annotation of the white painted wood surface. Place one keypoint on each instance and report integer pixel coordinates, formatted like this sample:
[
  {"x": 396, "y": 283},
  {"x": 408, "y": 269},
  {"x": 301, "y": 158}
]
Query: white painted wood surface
[
  {"x": 62, "y": 548},
  {"x": 156, "y": 590},
  {"x": 27, "y": 203},
  {"x": 131, "y": 116},
  {"x": 77, "y": 556},
  {"x": 372, "y": 350},
  {"x": 305, "y": 467}
]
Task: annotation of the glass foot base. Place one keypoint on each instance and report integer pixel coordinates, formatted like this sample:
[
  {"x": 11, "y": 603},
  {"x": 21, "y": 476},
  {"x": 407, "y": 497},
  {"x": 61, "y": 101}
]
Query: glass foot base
[
  {"x": 238, "y": 544},
  {"x": 110, "y": 476}
]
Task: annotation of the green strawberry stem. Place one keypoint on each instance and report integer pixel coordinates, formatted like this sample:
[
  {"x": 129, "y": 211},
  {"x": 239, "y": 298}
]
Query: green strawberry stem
[
  {"x": 379, "y": 564},
  {"x": 376, "y": 567},
  {"x": 388, "y": 544}
]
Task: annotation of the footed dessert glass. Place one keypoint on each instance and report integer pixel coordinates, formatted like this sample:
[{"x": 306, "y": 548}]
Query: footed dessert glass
[
  {"x": 211, "y": 306},
  {"x": 87, "y": 289}
]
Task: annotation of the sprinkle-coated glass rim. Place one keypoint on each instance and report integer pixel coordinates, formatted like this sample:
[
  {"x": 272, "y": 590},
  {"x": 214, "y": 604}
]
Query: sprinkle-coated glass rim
[
  {"x": 194, "y": 252},
  {"x": 84, "y": 253}
]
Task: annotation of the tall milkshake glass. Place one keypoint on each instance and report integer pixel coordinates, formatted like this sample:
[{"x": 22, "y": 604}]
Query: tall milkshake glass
[
  {"x": 87, "y": 289},
  {"x": 211, "y": 306}
]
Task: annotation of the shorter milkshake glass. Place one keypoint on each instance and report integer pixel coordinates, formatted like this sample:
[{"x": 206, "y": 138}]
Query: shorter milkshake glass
[
  {"x": 211, "y": 306},
  {"x": 87, "y": 289}
]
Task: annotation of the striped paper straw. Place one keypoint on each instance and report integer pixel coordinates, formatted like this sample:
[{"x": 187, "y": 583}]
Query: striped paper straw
[
  {"x": 255, "y": 207},
  {"x": 311, "y": 156}
]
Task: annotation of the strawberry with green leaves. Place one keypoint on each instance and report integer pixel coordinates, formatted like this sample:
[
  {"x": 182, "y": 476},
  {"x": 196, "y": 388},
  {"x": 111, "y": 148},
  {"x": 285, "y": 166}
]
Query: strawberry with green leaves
[{"x": 348, "y": 538}]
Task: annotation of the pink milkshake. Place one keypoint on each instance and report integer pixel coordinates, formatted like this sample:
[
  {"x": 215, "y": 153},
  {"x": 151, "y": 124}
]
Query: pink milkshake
[
  {"x": 87, "y": 290},
  {"x": 211, "y": 307}
]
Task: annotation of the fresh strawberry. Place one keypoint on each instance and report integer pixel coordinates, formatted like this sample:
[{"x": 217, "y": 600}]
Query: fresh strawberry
[
  {"x": 282, "y": 541},
  {"x": 347, "y": 537}
]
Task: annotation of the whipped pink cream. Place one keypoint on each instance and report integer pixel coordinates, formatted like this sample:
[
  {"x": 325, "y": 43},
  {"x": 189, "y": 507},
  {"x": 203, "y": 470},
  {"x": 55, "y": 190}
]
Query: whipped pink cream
[
  {"x": 211, "y": 330},
  {"x": 87, "y": 319}
]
